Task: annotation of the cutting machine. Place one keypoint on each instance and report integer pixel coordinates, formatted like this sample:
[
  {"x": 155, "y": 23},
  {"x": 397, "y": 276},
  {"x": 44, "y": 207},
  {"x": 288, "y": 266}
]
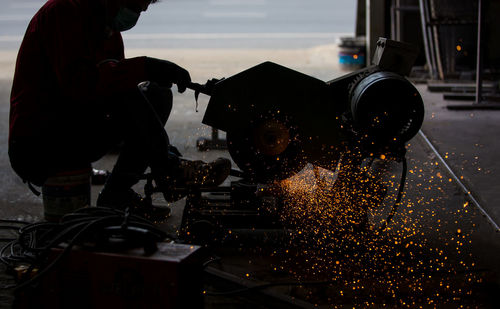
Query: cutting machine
[{"x": 279, "y": 120}]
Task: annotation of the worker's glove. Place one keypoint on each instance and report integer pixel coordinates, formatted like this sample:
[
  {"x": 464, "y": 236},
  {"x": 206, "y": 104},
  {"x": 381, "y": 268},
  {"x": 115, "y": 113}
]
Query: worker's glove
[{"x": 165, "y": 72}]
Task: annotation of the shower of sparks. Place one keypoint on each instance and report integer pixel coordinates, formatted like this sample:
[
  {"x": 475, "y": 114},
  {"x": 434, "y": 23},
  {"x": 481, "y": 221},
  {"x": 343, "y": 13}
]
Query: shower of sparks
[{"x": 334, "y": 223}]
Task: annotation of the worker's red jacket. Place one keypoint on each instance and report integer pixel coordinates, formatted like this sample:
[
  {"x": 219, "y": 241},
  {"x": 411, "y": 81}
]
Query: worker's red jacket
[{"x": 62, "y": 72}]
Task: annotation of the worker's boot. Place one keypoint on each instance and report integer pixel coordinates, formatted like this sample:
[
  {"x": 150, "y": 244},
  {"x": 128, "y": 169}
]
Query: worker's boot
[
  {"x": 191, "y": 174},
  {"x": 134, "y": 202}
]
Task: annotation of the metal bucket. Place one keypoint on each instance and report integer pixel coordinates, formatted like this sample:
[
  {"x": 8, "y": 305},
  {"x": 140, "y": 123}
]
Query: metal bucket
[
  {"x": 352, "y": 53},
  {"x": 66, "y": 192}
]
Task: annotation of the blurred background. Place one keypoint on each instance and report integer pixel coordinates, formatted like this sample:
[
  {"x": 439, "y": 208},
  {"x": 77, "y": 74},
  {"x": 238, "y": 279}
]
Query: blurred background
[{"x": 208, "y": 24}]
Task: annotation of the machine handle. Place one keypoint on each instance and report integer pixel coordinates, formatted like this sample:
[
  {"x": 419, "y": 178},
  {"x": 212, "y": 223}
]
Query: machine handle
[{"x": 206, "y": 88}]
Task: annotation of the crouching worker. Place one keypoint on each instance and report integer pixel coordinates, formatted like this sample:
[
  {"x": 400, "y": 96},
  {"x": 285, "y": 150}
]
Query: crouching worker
[{"x": 75, "y": 96}]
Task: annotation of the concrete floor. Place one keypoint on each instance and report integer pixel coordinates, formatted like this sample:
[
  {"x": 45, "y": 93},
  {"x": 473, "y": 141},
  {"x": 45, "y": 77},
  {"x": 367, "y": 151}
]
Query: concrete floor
[{"x": 435, "y": 228}]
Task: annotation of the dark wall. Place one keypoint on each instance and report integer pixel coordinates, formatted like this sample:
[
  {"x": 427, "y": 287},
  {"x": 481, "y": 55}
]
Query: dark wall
[
  {"x": 361, "y": 18},
  {"x": 492, "y": 35},
  {"x": 411, "y": 28}
]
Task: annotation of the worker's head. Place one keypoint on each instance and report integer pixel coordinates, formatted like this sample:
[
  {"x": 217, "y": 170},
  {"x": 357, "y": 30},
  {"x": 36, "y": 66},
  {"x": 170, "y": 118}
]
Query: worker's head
[{"x": 123, "y": 14}]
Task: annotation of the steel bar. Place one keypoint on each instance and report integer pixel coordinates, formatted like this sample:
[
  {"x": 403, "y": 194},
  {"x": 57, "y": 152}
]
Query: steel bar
[
  {"x": 437, "y": 51},
  {"x": 409, "y": 8},
  {"x": 479, "y": 103},
  {"x": 479, "y": 67},
  {"x": 429, "y": 53},
  {"x": 458, "y": 87},
  {"x": 462, "y": 186},
  {"x": 273, "y": 299}
]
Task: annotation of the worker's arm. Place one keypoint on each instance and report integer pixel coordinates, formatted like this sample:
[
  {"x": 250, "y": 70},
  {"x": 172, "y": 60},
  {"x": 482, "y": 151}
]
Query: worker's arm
[
  {"x": 80, "y": 76},
  {"x": 126, "y": 73}
]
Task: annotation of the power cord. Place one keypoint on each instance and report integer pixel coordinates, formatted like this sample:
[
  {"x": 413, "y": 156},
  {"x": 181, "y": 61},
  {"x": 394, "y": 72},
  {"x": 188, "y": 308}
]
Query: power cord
[{"x": 398, "y": 197}]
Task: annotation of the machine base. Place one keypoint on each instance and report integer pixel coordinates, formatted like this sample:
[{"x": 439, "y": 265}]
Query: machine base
[{"x": 231, "y": 214}]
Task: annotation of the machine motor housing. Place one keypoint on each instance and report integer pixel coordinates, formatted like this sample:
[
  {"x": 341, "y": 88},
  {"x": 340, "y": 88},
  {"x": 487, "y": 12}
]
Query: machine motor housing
[{"x": 277, "y": 120}]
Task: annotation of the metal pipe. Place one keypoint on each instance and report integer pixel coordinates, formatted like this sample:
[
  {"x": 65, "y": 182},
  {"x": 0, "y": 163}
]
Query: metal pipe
[
  {"x": 393, "y": 21},
  {"x": 407, "y": 8},
  {"x": 464, "y": 189},
  {"x": 479, "y": 63},
  {"x": 427, "y": 40},
  {"x": 398, "y": 20},
  {"x": 437, "y": 50},
  {"x": 368, "y": 33}
]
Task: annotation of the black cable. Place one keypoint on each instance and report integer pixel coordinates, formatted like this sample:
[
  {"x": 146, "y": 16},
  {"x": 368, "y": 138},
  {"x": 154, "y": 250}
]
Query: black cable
[
  {"x": 60, "y": 256},
  {"x": 212, "y": 260},
  {"x": 7, "y": 239},
  {"x": 398, "y": 198},
  {"x": 4, "y": 258},
  {"x": 86, "y": 225},
  {"x": 14, "y": 221},
  {"x": 14, "y": 225}
]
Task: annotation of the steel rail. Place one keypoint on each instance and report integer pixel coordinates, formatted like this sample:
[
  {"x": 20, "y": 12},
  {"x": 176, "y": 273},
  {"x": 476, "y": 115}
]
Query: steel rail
[{"x": 462, "y": 186}]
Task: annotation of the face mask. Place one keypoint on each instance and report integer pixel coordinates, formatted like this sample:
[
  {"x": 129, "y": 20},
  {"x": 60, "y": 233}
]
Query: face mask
[{"x": 125, "y": 19}]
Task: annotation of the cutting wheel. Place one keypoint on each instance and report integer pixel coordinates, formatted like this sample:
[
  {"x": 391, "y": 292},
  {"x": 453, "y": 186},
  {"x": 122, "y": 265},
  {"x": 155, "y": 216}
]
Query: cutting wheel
[{"x": 268, "y": 150}]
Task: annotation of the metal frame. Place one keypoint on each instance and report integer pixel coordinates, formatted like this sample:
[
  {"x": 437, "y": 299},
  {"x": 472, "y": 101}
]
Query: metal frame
[
  {"x": 213, "y": 143},
  {"x": 480, "y": 102},
  {"x": 428, "y": 33},
  {"x": 396, "y": 9}
]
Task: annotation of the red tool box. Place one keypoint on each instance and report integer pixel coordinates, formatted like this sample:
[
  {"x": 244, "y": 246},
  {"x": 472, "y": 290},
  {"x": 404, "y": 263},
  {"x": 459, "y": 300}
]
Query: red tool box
[{"x": 169, "y": 278}]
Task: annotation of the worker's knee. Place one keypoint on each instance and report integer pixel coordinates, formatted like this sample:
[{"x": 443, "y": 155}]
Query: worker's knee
[
  {"x": 159, "y": 97},
  {"x": 35, "y": 160}
]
